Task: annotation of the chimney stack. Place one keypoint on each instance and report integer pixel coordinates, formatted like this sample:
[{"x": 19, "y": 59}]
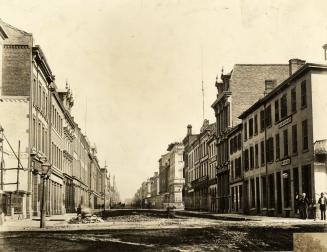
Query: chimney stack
[
  {"x": 325, "y": 51},
  {"x": 189, "y": 129},
  {"x": 295, "y": 64}
]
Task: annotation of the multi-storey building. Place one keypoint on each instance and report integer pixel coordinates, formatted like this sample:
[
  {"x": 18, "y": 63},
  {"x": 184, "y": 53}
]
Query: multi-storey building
[
  {"x": 175, "y": 175},
  {"x": 164, "y": 167},
  {"x": 212, "y": 164},
  {"x": 200, "y": 181},
  {"x": 46, "y": 133},
  {"x": 291, "y": 140},
  {"x": 55, "y": 204},
  {"x": 188, "y": 191},
  {"x": 95, "y": 194},
  {"x": 25, "y": 91},
  {"x": 105, "y": 187},
  {"x": 146, "y": 193},
  {"x": 196, "y": 172},
  {"x": 155, "y": 198},
  {"x": 238, "y": 90},
  {"x": 68, "y": 137},
  {"x": 235, "y": 169}
]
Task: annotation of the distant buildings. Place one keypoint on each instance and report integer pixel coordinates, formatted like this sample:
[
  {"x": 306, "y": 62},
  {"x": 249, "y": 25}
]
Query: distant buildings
[
  {"x": 200, "y": 168},
  {"x": 39, "y": 130},
  {"x": 166, "y": 189}
]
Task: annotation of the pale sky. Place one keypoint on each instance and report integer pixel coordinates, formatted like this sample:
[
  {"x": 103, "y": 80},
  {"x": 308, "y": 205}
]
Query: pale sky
[{"x": 135, "y": 66}]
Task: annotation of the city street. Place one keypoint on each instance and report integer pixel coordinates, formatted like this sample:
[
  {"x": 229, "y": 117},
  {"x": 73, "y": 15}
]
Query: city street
[{"x": 150, "y": 233}]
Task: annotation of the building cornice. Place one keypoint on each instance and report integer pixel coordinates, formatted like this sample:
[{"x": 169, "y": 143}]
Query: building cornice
[{"x": 3, "y": 34}]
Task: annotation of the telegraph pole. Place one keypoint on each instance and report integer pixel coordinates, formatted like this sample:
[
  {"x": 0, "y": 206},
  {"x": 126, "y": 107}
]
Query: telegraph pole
[
  {"x": 18, "y": 159},
  {"x": 1, "y": 130}
]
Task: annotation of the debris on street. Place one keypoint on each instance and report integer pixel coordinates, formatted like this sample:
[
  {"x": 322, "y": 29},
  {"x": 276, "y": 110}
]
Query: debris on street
[{"x": 85, "y": 220}]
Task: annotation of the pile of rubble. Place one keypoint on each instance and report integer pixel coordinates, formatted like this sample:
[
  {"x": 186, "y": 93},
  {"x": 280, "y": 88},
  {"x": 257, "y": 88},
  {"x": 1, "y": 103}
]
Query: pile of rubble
[
  {"x": 84, "y": 216},
  {"x": 132, "y": 218},
  {"x": 85, "y": 220}
]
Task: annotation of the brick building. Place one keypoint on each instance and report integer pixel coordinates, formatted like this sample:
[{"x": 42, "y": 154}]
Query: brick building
[{"x": 237, "y": 91}]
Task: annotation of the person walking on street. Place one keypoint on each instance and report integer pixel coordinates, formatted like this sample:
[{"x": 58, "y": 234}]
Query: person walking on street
[{"x": 322, "y": 202}]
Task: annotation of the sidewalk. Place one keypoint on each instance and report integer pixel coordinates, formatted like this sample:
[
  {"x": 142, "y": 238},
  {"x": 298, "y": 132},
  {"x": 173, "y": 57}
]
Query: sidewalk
[
  {"x": 196, "y": 219},
  {"x": 34, "y": 223},
  {"x": 237, "y": 217}
]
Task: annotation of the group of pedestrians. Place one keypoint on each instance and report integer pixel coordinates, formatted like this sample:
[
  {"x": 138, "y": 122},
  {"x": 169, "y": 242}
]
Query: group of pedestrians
[{"x": 307, "y": 207}]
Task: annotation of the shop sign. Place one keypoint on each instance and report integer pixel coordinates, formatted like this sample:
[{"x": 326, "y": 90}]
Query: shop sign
[{"x": 285, "y": 122}]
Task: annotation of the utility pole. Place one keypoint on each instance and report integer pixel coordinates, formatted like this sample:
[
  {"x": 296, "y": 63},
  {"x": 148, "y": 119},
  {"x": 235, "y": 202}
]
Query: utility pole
[
  {"x": 18, "y": 159},
  {"x": 202, "y": 83},
  {"x": 2, "y": 139}
]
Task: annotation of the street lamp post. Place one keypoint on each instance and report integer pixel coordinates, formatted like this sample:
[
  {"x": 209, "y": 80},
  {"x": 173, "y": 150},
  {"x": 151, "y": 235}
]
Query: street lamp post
[{"x": 44, "y": 175}]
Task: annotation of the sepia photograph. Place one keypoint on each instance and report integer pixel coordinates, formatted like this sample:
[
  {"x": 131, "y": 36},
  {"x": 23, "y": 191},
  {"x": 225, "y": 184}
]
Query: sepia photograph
[{"x": 163, "y": 125}]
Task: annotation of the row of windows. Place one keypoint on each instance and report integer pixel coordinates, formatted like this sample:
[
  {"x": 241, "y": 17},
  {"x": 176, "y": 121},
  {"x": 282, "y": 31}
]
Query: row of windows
[
  {"x": 56, "y": 120},
  {"x": 236, "y": 168},
  {"x": 212, "y": 149},
  {"x": 235, "y": 144},
  {"x": 280, "y": 112},
  {"x": 56, "y": 155},
  {"x": 39, "y": 137},
  {"x": 200, "y": 152},
  {"x": 203, "y": 147},
  {"x": 223, "y": 120},
  {"x": 40, "y": 97},
  {"x": 251, "y": 155}
]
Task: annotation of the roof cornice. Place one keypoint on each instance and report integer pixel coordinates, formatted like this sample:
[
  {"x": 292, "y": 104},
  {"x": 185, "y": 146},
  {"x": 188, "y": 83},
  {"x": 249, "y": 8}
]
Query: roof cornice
[
  {"x": 3, "y": 34},
  {"x": 41, "y": 60}
]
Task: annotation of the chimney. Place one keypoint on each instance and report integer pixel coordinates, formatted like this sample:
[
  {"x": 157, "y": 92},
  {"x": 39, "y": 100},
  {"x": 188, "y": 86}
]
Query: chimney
[
  {"x": 295, "y": 64},
  {"x": 269, "y": 85},
  {"x": 189, "y": 129},
  {"x": 325, "y": 51}
]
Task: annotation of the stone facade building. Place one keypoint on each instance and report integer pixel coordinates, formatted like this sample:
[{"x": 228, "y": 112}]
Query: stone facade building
[
  {"x": 188, "y": 190},
  {"x": 175, "y": 175},
  {"x": 235, "y": 169},
  {"x": 212, "y": 164},
  {"x": 199, "y": 169},
  {"x": 39, "y": 129},
  {"x": 291, "y": 142}
]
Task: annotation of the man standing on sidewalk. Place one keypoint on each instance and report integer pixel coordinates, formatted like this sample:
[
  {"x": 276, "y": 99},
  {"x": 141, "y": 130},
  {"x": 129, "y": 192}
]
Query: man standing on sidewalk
[
  {"x": 304, "y": 204},
  {"x": 322, "y": 202}
]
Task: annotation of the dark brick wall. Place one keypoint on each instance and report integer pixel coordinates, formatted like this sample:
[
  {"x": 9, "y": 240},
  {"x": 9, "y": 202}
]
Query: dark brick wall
[
  {"x": 16, "y": 70},
  {"x": 248, "y": 85}
]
